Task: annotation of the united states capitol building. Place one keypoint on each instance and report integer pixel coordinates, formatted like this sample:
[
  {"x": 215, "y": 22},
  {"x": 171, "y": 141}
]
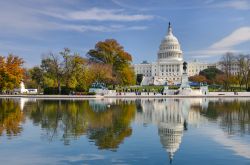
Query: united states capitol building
[{"x": 168, "y": 68}]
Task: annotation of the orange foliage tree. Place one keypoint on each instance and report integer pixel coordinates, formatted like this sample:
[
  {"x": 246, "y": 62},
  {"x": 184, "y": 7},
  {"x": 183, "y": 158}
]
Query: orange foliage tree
[
  {"x": 111, "y": 53},
  {"x": 11, "y": 72},
  {"x": 198, "y": 78}
]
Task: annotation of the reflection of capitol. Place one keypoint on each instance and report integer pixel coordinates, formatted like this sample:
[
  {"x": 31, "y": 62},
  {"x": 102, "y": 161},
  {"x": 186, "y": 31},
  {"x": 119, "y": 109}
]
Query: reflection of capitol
[
  {"x": 171, "y": 116},
  {"x": 170, "y": 137}
]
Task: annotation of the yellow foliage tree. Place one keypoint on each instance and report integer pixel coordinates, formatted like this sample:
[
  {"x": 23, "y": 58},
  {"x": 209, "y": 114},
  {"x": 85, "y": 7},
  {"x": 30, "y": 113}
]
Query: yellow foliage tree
[{"x": 11, "y": 72}]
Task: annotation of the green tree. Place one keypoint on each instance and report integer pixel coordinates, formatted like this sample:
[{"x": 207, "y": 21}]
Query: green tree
[
  {"x": 53, "y": 66},
  {"x": 210, "y": 74},
  {"x": 27, "y": 79},
  {"x": 63, "y": 68},
  {"x": 139, "y": 78},
  {"x": 37, "y": 75},
  {"x": 71, "y": 63}
]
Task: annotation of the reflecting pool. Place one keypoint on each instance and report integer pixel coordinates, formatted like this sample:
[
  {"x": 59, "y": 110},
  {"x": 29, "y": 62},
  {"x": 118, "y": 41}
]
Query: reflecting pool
[{"x": 125, "y": 131}]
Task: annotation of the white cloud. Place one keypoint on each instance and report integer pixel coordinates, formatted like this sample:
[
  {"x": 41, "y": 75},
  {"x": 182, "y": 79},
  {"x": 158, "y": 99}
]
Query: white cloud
[
  {"x": 240, "y": 148},
  {"x": 97, "y": 14},
  {"x": 171, "y": 5},
  {"x": 84, "y": 157},
  {"x": 100, "y": 28},
  {"x": 236, "y": 4},
  {"x": 237, "y": 37},
  {"x": 204, "y": 53},
  {"x": 28, "y": 18},
  {"x": 226, "y": 44}
]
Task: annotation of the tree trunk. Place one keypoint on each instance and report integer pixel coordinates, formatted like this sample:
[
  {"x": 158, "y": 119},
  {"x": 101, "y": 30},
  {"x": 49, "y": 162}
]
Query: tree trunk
[{"x": 59, "y": 87}]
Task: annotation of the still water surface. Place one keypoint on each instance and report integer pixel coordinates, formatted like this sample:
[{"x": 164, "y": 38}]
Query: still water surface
[{"x": 129, "y": 131}]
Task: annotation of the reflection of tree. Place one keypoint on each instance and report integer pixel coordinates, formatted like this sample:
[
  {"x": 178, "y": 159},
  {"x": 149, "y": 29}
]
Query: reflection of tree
[
  {"x": 10, "y": 117},
  {"x": 71, "y": 119},
  {"x": 109, "y": 128},
  {"x": 234, "y": 116},
  {"x": 59, "y": 117}
]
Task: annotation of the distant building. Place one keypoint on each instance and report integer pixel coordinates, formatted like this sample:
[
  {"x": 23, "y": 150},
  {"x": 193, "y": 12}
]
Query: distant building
[
  {"x": 144, "y": 68},
  {"x": 194, "y": 67},
  {"x": 234, "y": 68}
]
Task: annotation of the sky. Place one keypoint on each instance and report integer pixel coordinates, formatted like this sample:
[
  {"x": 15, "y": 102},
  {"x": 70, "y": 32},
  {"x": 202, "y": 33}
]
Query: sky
[{"x": 206, "y": 29}]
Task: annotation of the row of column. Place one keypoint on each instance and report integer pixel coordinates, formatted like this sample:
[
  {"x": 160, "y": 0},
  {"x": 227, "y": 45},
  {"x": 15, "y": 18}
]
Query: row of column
[{"x": 170, "y": 68}]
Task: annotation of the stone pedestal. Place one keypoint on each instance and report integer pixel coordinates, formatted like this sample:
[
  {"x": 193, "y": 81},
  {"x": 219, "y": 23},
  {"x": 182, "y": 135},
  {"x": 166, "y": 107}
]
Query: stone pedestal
[{"x": 184, "y": 82}]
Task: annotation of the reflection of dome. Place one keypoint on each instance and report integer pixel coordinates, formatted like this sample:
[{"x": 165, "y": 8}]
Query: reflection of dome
[
  {"x": 170, "y": 47},
  {"x": 170, "y": 137}
]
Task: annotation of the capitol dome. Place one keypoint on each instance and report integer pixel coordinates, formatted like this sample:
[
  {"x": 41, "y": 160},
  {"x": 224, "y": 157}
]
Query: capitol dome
[{"x": 170, "y": 48}]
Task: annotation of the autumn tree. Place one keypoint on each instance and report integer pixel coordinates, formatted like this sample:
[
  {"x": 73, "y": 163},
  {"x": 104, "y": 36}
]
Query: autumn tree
[
  {"x": 11, "y": 72},
  {"x": 198, "y": 78},
  {"x": 110, "y": 52},
  {"x": 101, "y": 72}
]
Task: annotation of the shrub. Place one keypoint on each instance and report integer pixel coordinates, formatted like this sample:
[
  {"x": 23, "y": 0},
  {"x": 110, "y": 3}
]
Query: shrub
[{"x": 54, "y": 90}]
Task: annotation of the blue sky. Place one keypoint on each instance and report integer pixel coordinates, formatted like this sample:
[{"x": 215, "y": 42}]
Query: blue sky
[{"x": 206, "y": 29}]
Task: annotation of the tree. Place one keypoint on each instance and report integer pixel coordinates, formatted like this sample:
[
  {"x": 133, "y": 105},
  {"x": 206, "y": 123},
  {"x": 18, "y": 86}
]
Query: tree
[
  {"x": 222, "y": 79},
  {"x": 101, "y": 72},
  {"x": 37, "y": 75},
  {"x": 127, "y": 76},
  {"x": 72, "y": 63},
  {"x": 139, "y": 78},
  {"x": 54, "y": 67},
  {"x": 63, "y": 68},
  {"x": 110, "y": 52},
  {"x": 243, "y": 64},
  {"x": 210, "y": 74},
  {"x": 226, "y": 63},
  {"x": 11, "y": 72},
  {"x": 27, "y": 79},
  {"x": 84, "y": 78},
  {"x": 198, "y": 78}
]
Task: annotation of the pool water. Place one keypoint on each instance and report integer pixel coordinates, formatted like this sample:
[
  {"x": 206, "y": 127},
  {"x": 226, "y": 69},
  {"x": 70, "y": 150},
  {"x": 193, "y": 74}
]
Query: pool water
[{"x": 125, "y": 131}]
